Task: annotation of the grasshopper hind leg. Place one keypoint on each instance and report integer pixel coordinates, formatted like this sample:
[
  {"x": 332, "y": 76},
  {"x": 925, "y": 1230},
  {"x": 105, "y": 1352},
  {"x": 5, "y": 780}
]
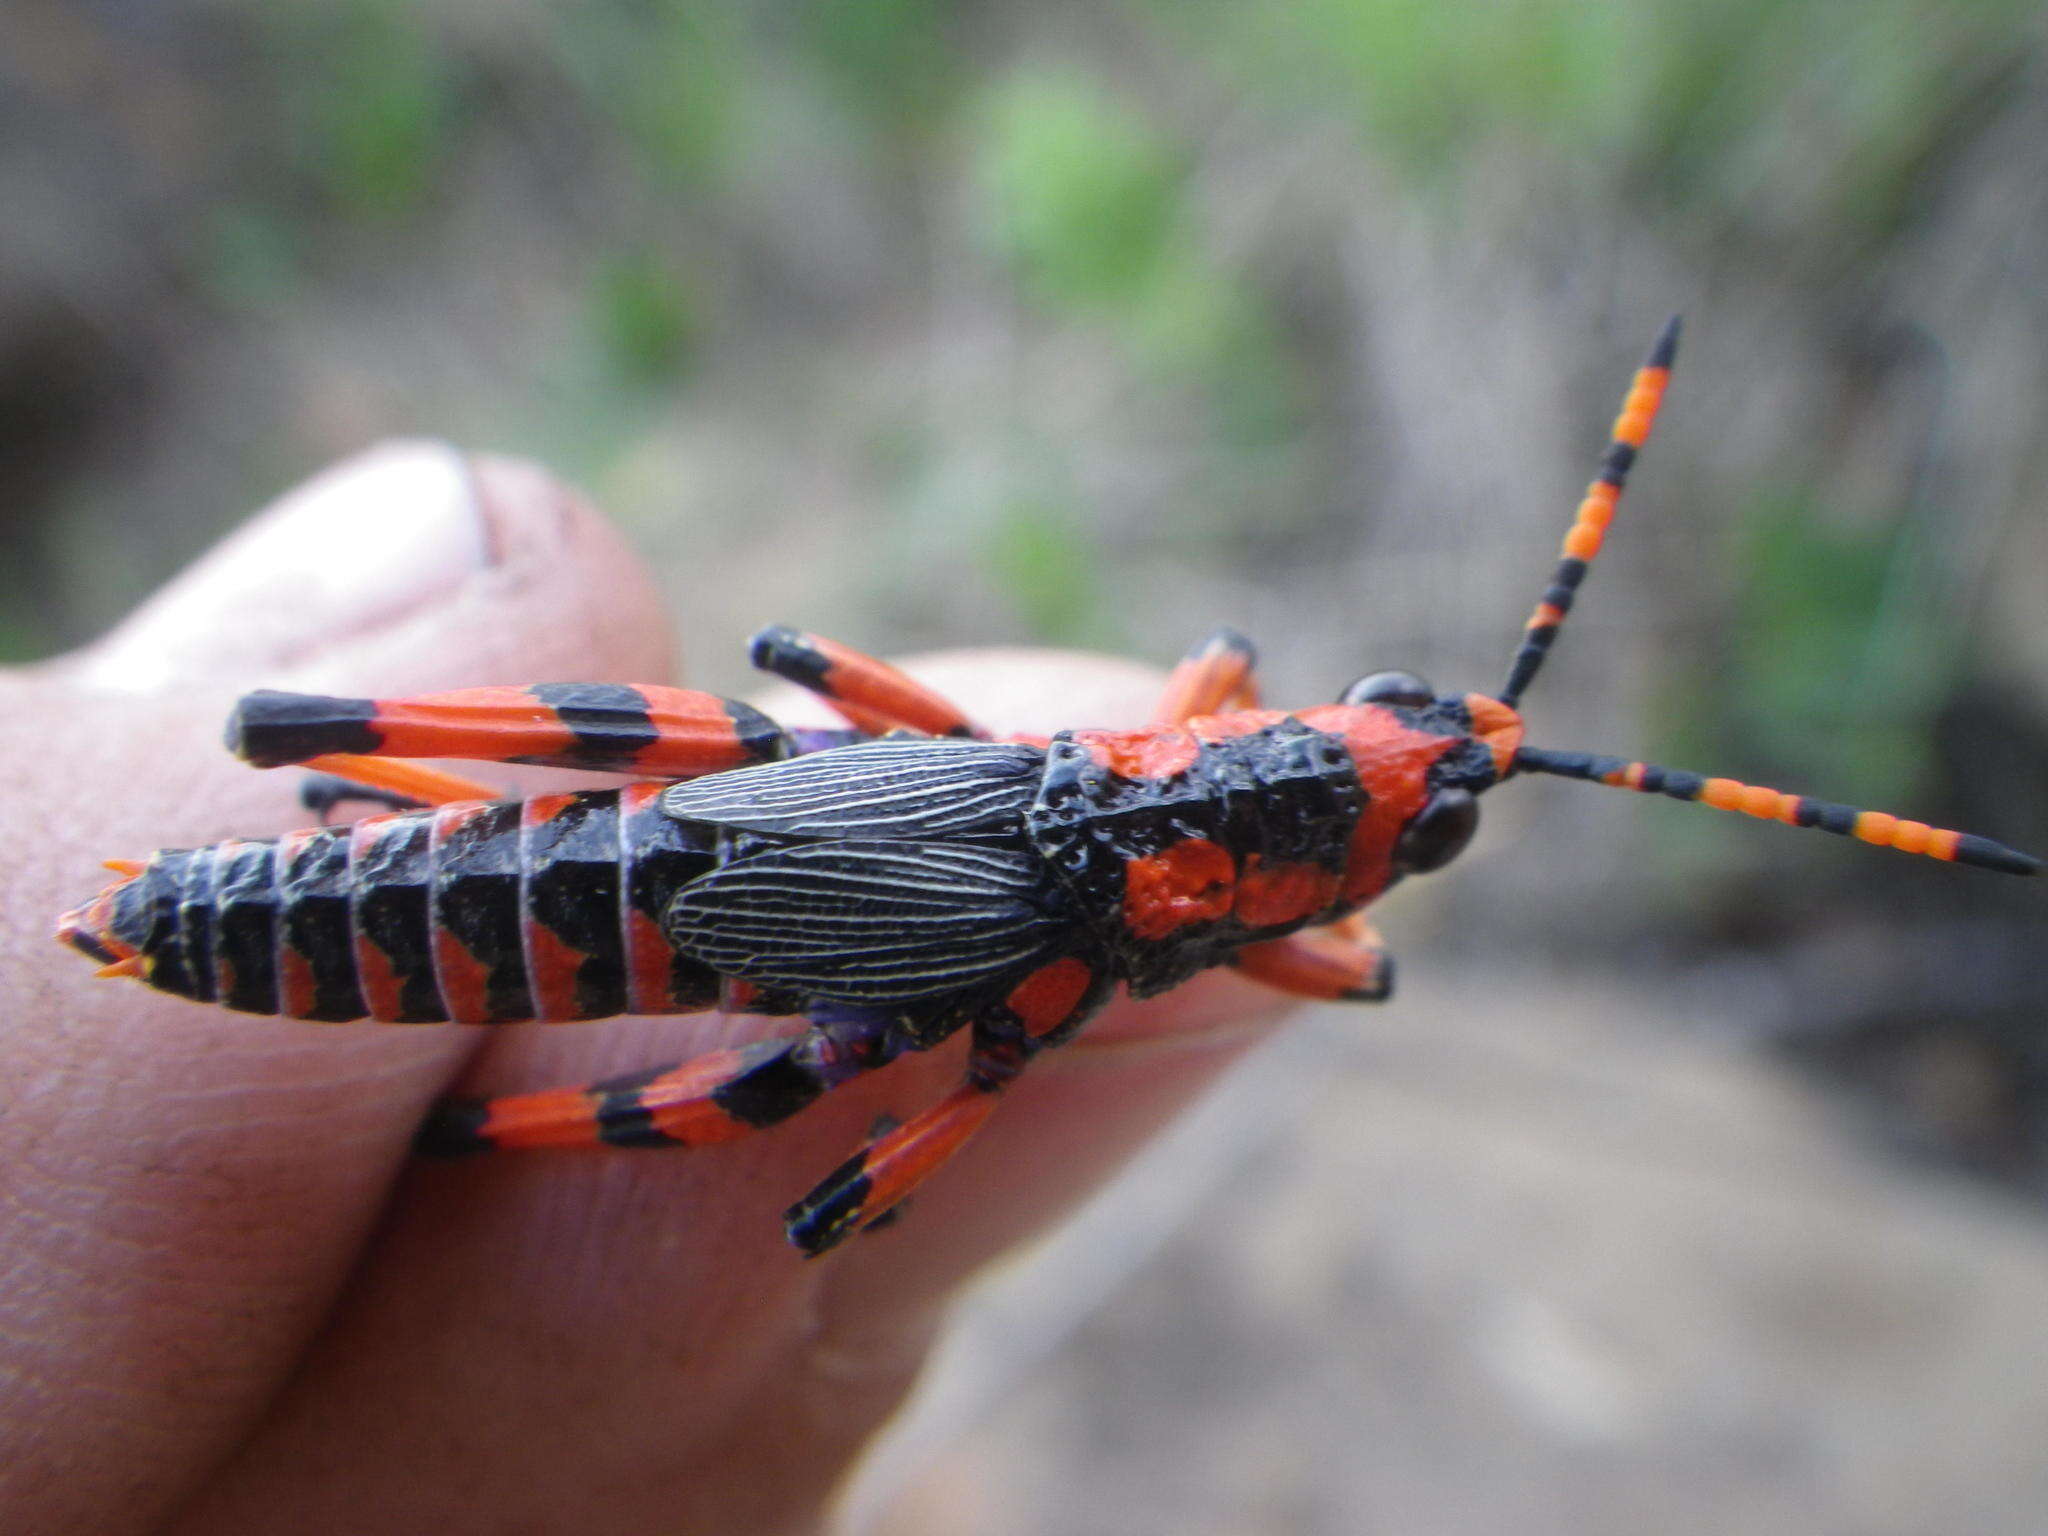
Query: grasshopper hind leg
[{"x": 717, "y": 1097}]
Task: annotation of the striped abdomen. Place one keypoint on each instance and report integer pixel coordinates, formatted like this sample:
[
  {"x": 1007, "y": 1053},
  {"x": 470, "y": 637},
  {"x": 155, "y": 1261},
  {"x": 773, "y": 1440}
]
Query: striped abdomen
[{"x": 477, "y": 912}]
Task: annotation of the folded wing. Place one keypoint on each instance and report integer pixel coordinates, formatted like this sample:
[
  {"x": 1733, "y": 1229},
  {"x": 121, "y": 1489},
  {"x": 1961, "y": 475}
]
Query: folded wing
[
  {"x": 868, "y": 921},
  {"x": 914, "y": 790}
]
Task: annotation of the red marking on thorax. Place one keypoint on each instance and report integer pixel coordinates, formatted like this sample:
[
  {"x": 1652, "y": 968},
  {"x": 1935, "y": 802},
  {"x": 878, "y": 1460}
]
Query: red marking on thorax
[
  {"x": 1156, "y": 752},
  {"x": 1192, "y": 881},
  {"x": 1393, "y": 762},
  {"x": 1241, "y": 722},
  {"x": 1045, "y": 998},
  {"x": 1160, "y": 751},
  {"x": 1271, "y": 894}
]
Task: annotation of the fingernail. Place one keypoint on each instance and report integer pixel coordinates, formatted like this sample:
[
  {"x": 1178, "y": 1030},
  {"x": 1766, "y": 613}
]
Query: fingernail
[{"x": 361, "y": 546}]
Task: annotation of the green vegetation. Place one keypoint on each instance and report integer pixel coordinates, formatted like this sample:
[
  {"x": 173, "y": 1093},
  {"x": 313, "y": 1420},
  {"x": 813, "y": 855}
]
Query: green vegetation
[{"x": 621, "y": 219}]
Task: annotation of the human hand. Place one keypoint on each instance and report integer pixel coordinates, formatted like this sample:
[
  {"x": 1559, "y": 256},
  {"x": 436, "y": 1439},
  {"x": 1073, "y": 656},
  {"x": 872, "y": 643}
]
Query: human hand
[{"x": 228, "y": 1302}]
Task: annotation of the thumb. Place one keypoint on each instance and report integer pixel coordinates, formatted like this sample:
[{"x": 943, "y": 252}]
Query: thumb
[
  {"x": 245, "y": 1163},
  {"x": 412, "y": 564},
  {"x": 410, "y": 568}
]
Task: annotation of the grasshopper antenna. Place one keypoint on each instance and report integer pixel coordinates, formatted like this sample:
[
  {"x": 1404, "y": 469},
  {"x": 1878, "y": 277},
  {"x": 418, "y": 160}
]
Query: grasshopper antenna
[
  {"x": 1596, "y": 511},
  {"x": 1876, "y": 827}
]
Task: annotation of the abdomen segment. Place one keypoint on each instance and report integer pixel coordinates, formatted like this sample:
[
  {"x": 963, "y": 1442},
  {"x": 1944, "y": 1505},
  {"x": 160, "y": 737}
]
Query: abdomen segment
[{"x": 480, "y": 912}]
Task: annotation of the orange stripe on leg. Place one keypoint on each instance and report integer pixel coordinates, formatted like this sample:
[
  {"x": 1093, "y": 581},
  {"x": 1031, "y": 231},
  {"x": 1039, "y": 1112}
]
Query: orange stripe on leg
[
  {"x": 869, "y": 684},
  {"x": 878, "y": 1178},
  {"x": 1346, "y": 963},
  {"x": 678, "y": 1104},
  {"x": 611, "y": 727},
  {"x": 871, "y": 694},
  {"x": 559, "y": 1117},
  {"x": 709, "y": 1099},
  {"x": 415, "y": 781},
  {"x": 494, "y": 724},
  {"x": 867, "y": 721},
  {"x": 1215, "y": 675},
  {"x": 698, "y": 733}
]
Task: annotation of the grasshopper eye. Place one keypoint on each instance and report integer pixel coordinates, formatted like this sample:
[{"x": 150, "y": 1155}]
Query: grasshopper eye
[
  {"x": 1439, "y": 832},
  {"x": 1389, "y": 688}
]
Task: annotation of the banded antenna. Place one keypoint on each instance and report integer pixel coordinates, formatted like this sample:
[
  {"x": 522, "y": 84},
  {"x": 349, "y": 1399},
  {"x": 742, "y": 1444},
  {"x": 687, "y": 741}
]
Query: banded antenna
[
  {"x": 1581, "y": 546},
  {"x": 1877, "y": 827},
  {"x": 1596, "y": 511}
]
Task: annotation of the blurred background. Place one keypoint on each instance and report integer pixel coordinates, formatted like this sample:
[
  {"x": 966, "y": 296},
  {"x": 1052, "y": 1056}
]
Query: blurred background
[{"x": 1697, "y": 1178}]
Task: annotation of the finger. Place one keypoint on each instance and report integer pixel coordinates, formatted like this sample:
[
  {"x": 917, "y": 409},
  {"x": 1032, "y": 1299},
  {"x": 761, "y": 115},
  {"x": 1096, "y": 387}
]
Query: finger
[
  {"x": 412, "y": 565},
  {"x": 185, "y": 1188},
  {"x": 539, "y": 1335}
]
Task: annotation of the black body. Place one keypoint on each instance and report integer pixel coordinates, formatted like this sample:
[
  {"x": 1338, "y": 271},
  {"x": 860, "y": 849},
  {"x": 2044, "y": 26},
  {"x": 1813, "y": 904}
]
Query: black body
[{"x": 917, "y": 877}]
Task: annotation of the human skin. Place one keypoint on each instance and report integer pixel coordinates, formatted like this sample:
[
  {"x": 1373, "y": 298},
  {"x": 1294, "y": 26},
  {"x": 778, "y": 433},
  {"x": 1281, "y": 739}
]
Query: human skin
[{"x": 228, "y": 1300}]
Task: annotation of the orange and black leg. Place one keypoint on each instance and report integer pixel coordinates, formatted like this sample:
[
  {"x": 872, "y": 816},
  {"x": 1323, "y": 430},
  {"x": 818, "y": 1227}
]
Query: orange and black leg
[
  {"x": 878, "y": 1178},
  {"x": 1217, "y": 675},
  {"x": 651, "y": 732},
  {"x": 874, "y": 696},
  {"x": 1344, "y": 963},
  {"x": 712, "y": 1098},
  {"x": 1046, "y": 1008}
]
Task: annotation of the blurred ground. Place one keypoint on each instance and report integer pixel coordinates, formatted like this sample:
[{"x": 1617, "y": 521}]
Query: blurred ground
[
  {"x": 1500, "y": 1257},
  {"x": 923, "y": 323}
]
